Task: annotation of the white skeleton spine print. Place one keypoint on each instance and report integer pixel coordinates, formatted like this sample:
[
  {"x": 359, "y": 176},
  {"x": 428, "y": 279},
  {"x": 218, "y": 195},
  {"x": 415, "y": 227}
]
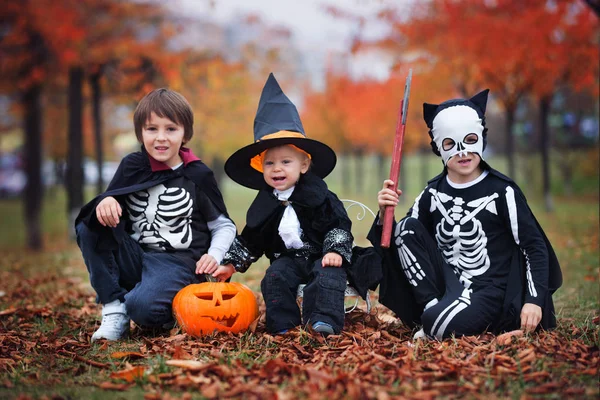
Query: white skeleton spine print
[{"x": 161, "y": 217}]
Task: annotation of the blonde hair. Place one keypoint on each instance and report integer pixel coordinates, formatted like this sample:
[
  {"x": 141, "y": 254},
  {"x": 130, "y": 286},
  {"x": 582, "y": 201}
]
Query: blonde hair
[{"x": 256, "y": 162}]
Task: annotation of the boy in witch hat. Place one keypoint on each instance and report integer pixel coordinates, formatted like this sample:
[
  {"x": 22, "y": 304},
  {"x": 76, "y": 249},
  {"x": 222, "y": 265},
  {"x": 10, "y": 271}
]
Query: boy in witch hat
[
  {"x": 470, "y": 255},
  {"x": 300, "y": 225}
]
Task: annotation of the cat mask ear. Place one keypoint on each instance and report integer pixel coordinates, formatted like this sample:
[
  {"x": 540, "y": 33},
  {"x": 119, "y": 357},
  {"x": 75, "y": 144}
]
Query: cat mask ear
[
  {"x": 429, "y": 113},
  {"x": 480, "y": 100}
]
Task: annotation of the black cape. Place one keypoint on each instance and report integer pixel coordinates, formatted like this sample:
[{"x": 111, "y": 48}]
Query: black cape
[
  {"x": 318, "y": 211},
  {"x": 395, "y": 292},
  {"x": 134, "y": 174}
]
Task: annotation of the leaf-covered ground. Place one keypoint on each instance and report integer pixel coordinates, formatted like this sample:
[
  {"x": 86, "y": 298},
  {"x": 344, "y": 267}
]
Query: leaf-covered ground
[
  {"x": 48, "y": 314},
  {"x": 45, "y": 351}
]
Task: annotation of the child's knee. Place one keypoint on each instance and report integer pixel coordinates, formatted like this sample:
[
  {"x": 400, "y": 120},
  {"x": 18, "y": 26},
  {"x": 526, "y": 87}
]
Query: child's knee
[
  {"x": 146, "y": 311},
  {"x": 273, "y": 283},
  {"x": 85, "y": 235},
  {"x": 409, "y": 225}
]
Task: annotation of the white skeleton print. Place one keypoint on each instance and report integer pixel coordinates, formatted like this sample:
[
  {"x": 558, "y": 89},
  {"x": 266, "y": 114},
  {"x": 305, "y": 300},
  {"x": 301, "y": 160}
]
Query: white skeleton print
[
  {"x": 161, "y": 217},
  {"x": 409, "y": 263},
  {"x": 445, "y": 317},
  {"x": 460, "y": 235}
]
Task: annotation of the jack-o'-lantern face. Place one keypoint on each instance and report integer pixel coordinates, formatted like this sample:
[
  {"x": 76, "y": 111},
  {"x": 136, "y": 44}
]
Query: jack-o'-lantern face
[{"x": 202, "y": 308}]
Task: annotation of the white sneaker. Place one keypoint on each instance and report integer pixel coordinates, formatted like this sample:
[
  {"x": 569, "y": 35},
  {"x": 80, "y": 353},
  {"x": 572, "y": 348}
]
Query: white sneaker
[
  {"x": 420, "y": 334},
  {"x": 115, "y": 322}
]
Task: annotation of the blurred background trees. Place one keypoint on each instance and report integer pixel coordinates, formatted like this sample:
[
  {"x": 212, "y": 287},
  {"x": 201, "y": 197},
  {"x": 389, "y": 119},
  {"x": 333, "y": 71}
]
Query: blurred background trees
[{"x": 72, "y": 71}]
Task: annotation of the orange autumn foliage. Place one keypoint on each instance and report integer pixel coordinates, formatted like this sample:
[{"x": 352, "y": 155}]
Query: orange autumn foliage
[
  {"x": 514, "y": 47},
  {"x": 361, "y": 115}
]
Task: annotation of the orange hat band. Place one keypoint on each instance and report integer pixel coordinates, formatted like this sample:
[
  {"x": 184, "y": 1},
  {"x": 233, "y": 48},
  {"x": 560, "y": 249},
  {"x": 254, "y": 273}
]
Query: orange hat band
[{"x": 256, "y": 162}]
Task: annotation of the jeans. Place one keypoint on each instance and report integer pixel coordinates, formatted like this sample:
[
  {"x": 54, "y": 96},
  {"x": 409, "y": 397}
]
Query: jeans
[{"x": 146, "y": 282}]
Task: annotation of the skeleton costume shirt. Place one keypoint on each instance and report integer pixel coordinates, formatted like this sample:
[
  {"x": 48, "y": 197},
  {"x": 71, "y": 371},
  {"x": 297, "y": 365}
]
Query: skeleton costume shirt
[
  {"x": 165, "y": 210},
  {"x": 467, "y": 256},
  {"x": 481, "y": 230},
  {"x": 171, "y": 218}
]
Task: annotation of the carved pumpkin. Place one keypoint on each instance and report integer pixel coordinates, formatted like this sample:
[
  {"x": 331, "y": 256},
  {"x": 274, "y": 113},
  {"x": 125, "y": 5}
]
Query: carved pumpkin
[{"x": 203, "y": 308}]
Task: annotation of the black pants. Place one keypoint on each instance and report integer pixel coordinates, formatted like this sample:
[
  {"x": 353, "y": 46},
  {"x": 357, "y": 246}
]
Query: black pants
[
  {"x": 449, "y": 306},
  {"x": 323, "y": 294}
]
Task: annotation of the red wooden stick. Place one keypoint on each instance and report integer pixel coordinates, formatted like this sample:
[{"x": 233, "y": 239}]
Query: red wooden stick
[{"x": 388, "y": 216}]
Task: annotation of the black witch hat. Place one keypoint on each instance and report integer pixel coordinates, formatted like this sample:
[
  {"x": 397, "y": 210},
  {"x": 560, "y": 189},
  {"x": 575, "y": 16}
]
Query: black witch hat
[{"x": 277, "y": 123}]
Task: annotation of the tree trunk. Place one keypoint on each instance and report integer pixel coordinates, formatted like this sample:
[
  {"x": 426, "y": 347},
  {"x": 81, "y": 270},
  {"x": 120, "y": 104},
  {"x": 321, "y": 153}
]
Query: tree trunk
[
  {"x": 345, "y": 167},
  {"x": 358, "y": 168},
  {"x": 97, "y": 123},
  {"x": 510, "y": 140},
  {"x": 567, "y": 173},
  {"x": 75, "y": 150},
  {"x": 34, "y": 189},
  {"x": 545, "y": 146}
]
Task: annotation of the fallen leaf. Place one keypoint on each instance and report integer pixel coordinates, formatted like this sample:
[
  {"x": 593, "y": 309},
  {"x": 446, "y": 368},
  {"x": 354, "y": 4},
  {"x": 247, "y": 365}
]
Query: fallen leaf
[
  {"x": 127, "y": 354},
  {"x": 129, "y": 374},
  {"x": 115, "y": 386},
  {"x": 210, "y": 391},
  {"x": 506, "y": 338},
  {"x": 8, "y": 311},
  {"x": 191, "y": 365}
]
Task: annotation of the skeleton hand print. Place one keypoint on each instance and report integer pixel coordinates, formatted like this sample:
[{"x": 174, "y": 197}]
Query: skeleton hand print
[
  {"x": 161, "y": 217},
  {"x": 410, "y": 265}
]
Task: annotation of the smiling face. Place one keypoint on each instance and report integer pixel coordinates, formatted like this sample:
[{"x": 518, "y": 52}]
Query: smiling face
[
  {"x": 464, "y": 166},
  {"x": 162, "y": 139},
  {"x": 283, "y": 165}
]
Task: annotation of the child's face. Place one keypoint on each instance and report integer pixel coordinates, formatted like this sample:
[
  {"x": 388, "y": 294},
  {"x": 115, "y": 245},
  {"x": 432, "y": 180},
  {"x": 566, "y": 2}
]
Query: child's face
[
  {"x": 463, "y": 167},
  {"x": 282, "y": 167},
  {"x": 162, "y": 139}
]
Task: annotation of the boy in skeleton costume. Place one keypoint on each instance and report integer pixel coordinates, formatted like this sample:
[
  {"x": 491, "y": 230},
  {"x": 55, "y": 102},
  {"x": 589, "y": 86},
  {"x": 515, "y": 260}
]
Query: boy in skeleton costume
[
  {"x": 299, "y": 224},
  {"x": 470, "y": 255},
  {"x": 160, "y": 226}
]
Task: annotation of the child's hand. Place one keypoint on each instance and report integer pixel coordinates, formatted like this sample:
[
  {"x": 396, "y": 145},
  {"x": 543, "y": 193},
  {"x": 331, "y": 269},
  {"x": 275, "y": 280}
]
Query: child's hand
[
  {"x": 108, "y": 212},
  {"x": 332, "y": 260},
  {"x": 206, "y": 265},
  {"x": 531, "y": 315},
  {"x": 224, "y": 272},
  {"x": 387, "y": 197}
]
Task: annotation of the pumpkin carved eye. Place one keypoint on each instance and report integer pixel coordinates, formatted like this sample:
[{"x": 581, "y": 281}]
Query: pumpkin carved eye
[{"x": 209, "y": 296}]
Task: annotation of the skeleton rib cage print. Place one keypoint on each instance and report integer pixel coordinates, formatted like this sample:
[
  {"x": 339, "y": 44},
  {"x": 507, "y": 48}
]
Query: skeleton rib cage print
[{"x": 161, "y": 217}]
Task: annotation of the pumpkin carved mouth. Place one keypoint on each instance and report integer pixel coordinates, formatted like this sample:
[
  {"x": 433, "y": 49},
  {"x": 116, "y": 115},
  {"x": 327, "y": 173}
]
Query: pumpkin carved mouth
[{"x": 226, "y": 321}]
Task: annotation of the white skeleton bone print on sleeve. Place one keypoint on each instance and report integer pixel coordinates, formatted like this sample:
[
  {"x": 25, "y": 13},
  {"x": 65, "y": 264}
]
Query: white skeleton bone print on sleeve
[
  {"x": 161, "y": 217},
  {"x": 410, "y": 265}
]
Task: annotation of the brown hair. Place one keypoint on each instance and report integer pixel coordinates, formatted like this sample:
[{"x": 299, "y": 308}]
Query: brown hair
[{"x": 165, "y": 103}]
